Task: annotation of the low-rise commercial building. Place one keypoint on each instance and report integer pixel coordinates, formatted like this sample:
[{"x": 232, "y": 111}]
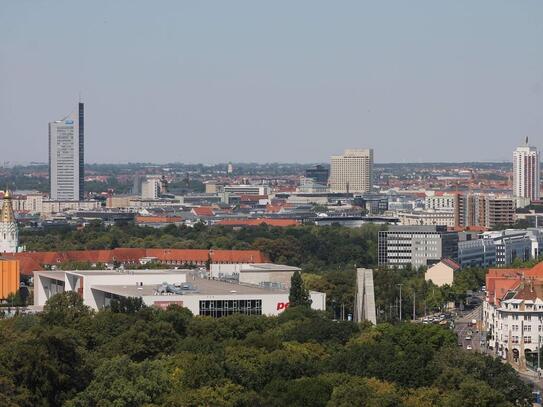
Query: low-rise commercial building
[{"x": 161, "y": 288}]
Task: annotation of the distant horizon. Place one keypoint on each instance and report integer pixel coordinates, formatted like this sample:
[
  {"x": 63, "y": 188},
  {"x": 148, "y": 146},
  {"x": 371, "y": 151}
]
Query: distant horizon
[{"x": 225, "y": 163}]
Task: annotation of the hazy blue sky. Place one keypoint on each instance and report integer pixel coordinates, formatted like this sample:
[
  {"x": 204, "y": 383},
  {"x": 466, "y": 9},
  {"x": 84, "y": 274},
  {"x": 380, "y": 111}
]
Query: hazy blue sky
[{"x": 213, "y": 81}]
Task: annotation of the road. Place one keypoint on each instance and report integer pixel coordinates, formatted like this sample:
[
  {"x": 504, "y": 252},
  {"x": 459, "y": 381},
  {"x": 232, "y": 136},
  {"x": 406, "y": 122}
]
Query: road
[{"x": 463, "y": 330}]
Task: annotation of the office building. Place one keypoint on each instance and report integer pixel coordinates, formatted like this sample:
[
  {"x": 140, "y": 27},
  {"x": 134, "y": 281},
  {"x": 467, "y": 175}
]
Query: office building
[
  {"x": 67, "y": 157},
  {"x": 352, "y": 172},
  {"x": 318, "y": 173},
  {"x": 426, "y": 217},
  {"x": 511, "y": 245},
  {"x": 9, "y": 232},
  {"x": 477, "y": 253},
  {"x": 160, "y": 288},
  {"x": 526, "y": 172},
  {"x": 416, "y": 246}
]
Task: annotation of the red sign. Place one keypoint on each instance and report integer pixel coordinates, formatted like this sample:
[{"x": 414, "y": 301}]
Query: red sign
[
  {"x": 282, "y": 305},
  {"x": 165, "y": 304}
]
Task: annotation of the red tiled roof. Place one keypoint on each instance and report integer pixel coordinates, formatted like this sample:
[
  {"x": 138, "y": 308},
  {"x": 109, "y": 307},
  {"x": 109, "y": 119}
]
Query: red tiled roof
[
  {"x": 32, "y": 261},
  {"x": 203, "y": 211},
  {"x": 451, "y": 263},
  {"x": 158, "y": 219},
  {"x": 257, "y": 222}
]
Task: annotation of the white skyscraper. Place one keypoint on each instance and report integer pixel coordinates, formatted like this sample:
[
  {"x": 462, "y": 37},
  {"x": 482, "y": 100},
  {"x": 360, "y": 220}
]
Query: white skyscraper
[
  {"x": 66, "y": 157},
  {"x": 526, "y": 172},
  {"x": 352, "y": 171}
]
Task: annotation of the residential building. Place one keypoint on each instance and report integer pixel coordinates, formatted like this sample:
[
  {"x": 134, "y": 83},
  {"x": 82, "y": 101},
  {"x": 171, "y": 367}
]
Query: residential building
[
  {"x": 151, "y": 187},
  {"x": 416, "y": 246},
  {"x": 526, "y": 172},
  {"x": 352, "y": 172},
  {"x": 513, "y": 314},
  {"x": 440, "y": 202},
  {"x": 486, "y": 210},
  {"x": 442, "y": 273},
  {"x": 66, "y": 157}
]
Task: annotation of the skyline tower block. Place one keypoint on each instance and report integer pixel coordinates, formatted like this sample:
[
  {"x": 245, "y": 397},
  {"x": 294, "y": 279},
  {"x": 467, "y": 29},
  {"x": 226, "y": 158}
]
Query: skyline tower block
[
  {"x": 526, "y": 172},
  {"x": 352, "y": 171},
  {"x": 66, "y": 157}
]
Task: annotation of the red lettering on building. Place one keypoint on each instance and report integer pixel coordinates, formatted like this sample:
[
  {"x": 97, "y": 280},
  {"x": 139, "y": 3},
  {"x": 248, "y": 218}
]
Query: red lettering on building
[{"x": 282, "y": 305}]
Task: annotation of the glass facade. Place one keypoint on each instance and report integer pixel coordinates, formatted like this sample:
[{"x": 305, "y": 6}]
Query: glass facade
[{"x": 221, "y": 308}]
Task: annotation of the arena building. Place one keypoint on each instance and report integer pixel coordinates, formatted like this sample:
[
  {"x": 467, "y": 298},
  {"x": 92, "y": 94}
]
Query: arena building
[{"x": 161, "y": 288}]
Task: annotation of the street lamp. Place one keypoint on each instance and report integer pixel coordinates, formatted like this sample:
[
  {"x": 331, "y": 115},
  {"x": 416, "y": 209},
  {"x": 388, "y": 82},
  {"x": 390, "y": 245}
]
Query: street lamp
[{"x": 400, "y": 285}]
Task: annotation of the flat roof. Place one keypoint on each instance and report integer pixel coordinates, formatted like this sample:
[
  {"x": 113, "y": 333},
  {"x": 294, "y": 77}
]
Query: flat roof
[
  {"x": 56, "y": 274},
  {"x": 267, "y": 267},
  {"x": 202, "y": 286}
]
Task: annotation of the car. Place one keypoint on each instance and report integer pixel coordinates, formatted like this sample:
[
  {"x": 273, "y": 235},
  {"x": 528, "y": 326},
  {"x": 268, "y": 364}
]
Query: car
[{"x": 469, "y": 347}]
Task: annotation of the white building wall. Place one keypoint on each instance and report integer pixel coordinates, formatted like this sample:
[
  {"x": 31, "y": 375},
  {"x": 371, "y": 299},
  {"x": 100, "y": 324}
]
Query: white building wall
[{"x": 64, "y": 158}]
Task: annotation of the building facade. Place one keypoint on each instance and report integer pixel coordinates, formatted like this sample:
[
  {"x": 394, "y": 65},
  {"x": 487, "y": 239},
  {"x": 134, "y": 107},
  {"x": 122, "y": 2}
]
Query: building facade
[
  {"x": 485, "y": 210},
  {"x": 352, "y": 172},
  {"x": 319, "y": 174},
  {"x": 416, "y": 246},
  {"x": 160, "y": 288},
  {"x": 526, "y": 172},
  {"x": 66, "y": 157},
  {"x": 9, "y": 232}
]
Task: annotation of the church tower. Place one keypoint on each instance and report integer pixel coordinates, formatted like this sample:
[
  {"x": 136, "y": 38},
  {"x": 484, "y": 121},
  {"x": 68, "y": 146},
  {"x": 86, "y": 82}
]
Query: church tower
[{"x": 9, "y": 232}]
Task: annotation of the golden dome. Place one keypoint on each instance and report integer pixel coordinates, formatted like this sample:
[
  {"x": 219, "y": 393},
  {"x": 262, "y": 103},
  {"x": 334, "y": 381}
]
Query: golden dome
[{"x": 6, "y": 214}]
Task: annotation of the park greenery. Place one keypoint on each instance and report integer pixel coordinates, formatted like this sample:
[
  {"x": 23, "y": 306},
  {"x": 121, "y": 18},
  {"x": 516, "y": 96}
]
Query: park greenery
[{"x": 133, "y": 355}]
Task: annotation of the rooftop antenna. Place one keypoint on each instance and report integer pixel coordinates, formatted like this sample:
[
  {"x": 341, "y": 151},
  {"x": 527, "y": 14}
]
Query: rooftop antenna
[{"x": 526, "y": 140}]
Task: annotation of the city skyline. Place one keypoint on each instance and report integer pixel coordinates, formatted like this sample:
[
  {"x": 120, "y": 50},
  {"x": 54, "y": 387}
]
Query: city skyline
[{"x": 217, "y": 84}]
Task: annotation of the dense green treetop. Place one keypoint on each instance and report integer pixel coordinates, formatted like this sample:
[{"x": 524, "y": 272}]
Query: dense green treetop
[{"x": 132, "y": 355}]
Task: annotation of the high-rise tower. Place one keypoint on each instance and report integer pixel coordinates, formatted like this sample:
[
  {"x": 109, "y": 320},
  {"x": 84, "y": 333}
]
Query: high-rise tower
[
  {"x": 67, "y": 157},
  {"x": 352, "y": 171},
  {"x": 9, "y": 232},
  {"x": 526, "y": 172}
]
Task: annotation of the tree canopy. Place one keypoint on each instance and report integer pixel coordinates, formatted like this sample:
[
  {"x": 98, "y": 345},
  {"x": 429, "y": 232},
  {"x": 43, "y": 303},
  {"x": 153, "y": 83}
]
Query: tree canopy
[{"x": 133, "y": 355}]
